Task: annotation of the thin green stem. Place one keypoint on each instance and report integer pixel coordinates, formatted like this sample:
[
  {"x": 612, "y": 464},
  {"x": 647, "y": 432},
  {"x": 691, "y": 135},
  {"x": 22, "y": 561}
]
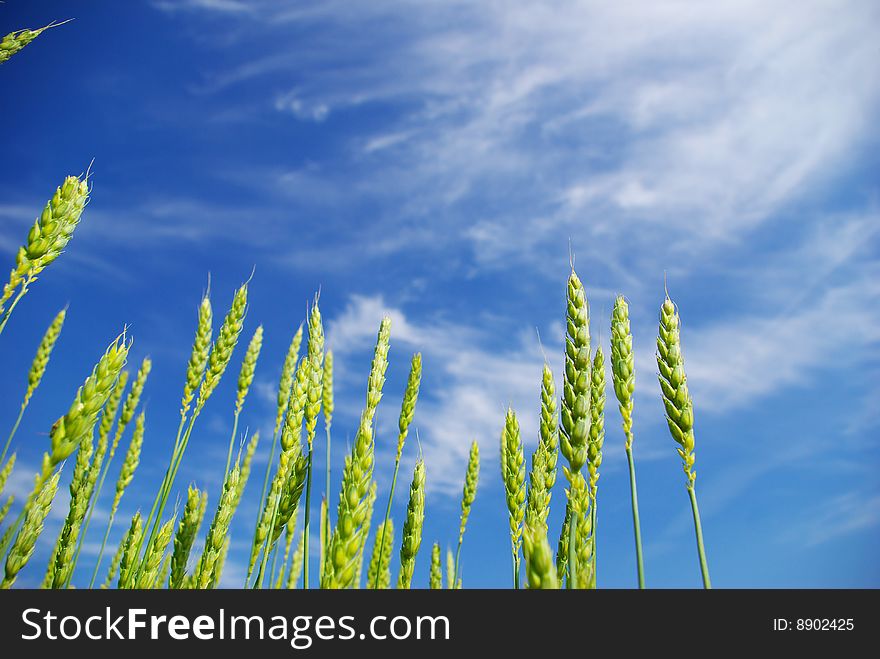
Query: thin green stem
[
  {"x": 515, "y": 567},
  {"x": 161, "y": 490},
  {"x": 231, "y": 444},
  {"x": 457, "y": 556},
  {"x": 572, "y": 553},
  {"x": 698, "y": 527},
  {"x": 593, "y": 538},
  {"x": 637, "y": 527},
  {"x": 514, "y": 554},
  {"x": 24, "y": 289},
  {"x": 327, "y": 494},
  {"x": 258, "y": 581},
  {"x": 387, "y": 515},
  {"x": 165, "y": 489},
  {"x": 264, "y": 494},
  {"x": 274, "y": 564},
  {"x": 308, "y": 511},
  {"x": 101, "y": 553},
  {"x": 12, "y": 433}
]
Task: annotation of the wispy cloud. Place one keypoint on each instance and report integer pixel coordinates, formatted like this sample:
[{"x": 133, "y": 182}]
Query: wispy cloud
[
  {"x": 224, "y": 6},
  {"x": 721, "y": 114},
  {"x": 837, "y": 517}
]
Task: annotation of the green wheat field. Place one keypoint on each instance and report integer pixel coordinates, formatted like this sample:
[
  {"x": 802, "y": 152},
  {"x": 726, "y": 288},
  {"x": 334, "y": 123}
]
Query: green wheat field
[{"x": 355, "y": 531}]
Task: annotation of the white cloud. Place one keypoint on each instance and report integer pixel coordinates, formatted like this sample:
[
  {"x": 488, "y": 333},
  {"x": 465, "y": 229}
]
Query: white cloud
[
  {"x": 467, "y": 383},
  {"x": 694, "y": 122}
]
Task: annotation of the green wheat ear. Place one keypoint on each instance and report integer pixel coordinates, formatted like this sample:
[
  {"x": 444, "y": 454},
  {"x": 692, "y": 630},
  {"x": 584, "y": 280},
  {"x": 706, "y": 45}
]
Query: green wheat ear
[
  {"x": 679, "y": 410},
  {"x": 186, "y": 536},
  {"x": 412, "y": 528},
  {"x": 14, "y": 42},
  {"x": 575, "y": 417},
  {"x": 37, "y": 370},
  {"x": 347, "y": 543},
  {"x": 468, "y": 495},
  {"x": 23, "y": 547},
  {"x": 673, "y": 385},
  {"x": 513, "y": 472},
  {"x": 542, "y": 476},
  {"x": 407, "y": 411},
  {"x": 46, "y": 240},
  {"x": 624, "y": 379},
  {"x": 576, "y": 384},
  {"x": 436, "y": 581},
  {"x": 540, "y": 570}
]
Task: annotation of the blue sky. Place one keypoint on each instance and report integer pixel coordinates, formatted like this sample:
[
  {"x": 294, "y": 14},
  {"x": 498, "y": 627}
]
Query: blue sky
[{"x": 435, "y": 161}]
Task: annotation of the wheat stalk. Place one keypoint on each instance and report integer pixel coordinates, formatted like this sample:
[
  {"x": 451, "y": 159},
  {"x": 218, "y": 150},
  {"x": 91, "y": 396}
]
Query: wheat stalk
[
  {"x": 66, "y": 542},
  {"x": 165, "y": 570},
  {"x": 46, "y": 240},
  {"x": 450, "y": 569},
  {"x": 327, "y": 405},
  {"x": 436, "y": 580},
  {"x": 206, "y": 572},
  {"x": 130, "y": 542},
  {"x": 245, "y": 379},
  {"x": 68, "y": 431},
  {"x": 246, "y": 463},
  {"x": 23, "y": 547},
  {"x": 99, "y": 464},
  {"x": 248, "y": 368},
  {"x": 193, "y": 513},
  {"x": 79, "y": 422},
  {"x": 562, "y": 548},
  {"x": 679, "y": 410},
  {"x": 289, "y": 480},
  {"x": 314, "y": 393},
  {"x": 580, "y": 570},
  {"x": 379, "y": 571},
  {"x": 468, "y": 494},
  {"x": 290, "y": 475},
  {"x": 38, "y": 368},
  {"x": 575, "y": 391},
  {"x": 513, "y": 475},
  {"x": 114, "y": 565},
  {"x": 111, "y": 409},
  {"x": 596, "y": 439},
  {"x": 295, "y": 564},
  {"x": 153, "y": 557},
  {"x": 624, "y": 379},
  {"x": 285, "y": 385},
  {"x": 13, "y": 42},
  {"x": 288, "y": 371},
  {"x": 407, "y": 411},
  {"x": 347, "y": 542},
  {"x": 221, "y": 561},
  {"x": 126, "y": 474},
  {"x": 540, "y": 570},
  {"x": 289, "y": 532},
  {"x": 4, "y": 476},
  {"x": 542, "y": 476},
  {"x": 412, "y": 527},
  {"x": 198, "y": 358},
  {"x": 218, "y": 360},
  {"x": 365, "y": 534},
  {"x": 6, "y": 470}
]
